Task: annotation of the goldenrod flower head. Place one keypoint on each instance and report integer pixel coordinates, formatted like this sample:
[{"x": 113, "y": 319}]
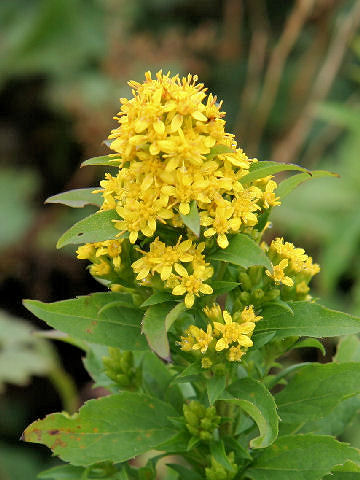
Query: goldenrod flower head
[
  {"x": 100, "y": 269},
  {"x": 102, "y": 254},
  {"x": 278, "y": 274},
  {"x": 225, "y": 334},
  {"x": 172, "y": 149}
]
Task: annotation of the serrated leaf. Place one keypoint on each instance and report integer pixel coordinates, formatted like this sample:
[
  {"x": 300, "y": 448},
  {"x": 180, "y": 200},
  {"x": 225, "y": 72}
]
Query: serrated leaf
[
  {"x": 315, "y": 390},
  {"x": 348, "y": 349},
  {"x": 77, "y": 198},
  {"x": 219, "y": 150},
  {"x": 243, "y": 251},
  {"x": 309, "y": 320},
  {"x": 158, "y": 297},
  {"x": 94, "y": 228},
  {"x": 215, "y": 387},
  {"x": 289, "y": 184},
  {"x": 117, "y": 326},
  {"x": 154, "y": 328},
  {"x": 299, "y": 457},
  {"x": 113, "y": 428},
  {"x": 253, "y": 397},
  {"x": 105, "y": 160},
  {"x": 192, "y": 220},
  {"x": 263, "y": 169}
]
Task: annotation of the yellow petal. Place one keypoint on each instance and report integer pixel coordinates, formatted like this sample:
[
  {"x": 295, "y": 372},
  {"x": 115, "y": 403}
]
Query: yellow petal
[
  {"x": 176, "y": 123},
  {"x": 184, "y": 208},
  {"x": 220, "y": 345},
  {"x": 159, "y": 127},
  {"x": 166, "y": 272},
  {"x": 222, "y": 241},
  {"x": 227, "y": 317},
  {"x": 179, "y": 290},
  {"x": 181, "y": 270},
  {"x": 206, "y": 289},
  {"x": 133, "y": 237},
  {"x": 199, "y": 116},
  {"x": 189, "y": 301}
]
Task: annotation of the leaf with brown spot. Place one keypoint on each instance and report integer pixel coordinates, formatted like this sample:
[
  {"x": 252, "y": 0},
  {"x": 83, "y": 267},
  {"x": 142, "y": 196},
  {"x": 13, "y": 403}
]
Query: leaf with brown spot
[{"x": 114, "y": 428}]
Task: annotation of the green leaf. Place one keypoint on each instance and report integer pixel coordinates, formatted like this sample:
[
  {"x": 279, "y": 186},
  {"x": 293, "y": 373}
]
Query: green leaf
[
  {"x": 243, "y": 251},
  {"x": 311, "y": 343},
  {"x": 185, "y": 473},
  {"x": 315, "y": 390},
  {"x": 116, "y": 326},
  {"x": 155, "y": 328},
  {"x": 220, "y": 286},
  {"x": 219, "y": 150},
  {"x": 192, "y": 220},
  {"x": 113, "y": 428},
  {"x": 94, "y": 228},
  {"x": 288, "y": 185},
  {"x": 259, "y": 404},
  {"x": 263, "y": 169},
  {"x": 348, "y": 349},
  {"x": 21, "y": 353},
  {"x": 309, "y": 319},
  {"x": 106, "y": 160},
  {"x": 189, "y": 374},
  {"x": 300, "y": 457},
  {"x": 215, "y": 387},
  {"x": 77, "y": 198},
  {"x": 217, "y": 450},
  {"x": 63, "y": 472},
  {"x": 158, "y": 297}
]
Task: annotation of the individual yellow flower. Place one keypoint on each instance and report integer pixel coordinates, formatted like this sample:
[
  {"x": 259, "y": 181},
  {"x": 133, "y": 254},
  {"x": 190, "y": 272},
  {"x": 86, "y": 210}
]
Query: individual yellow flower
[
  {"x": 100, "y": 269},
  {"x": 192, "y": 285},
  {"x": 248, "y": 315},
  {"x": 196, "y": 339},
  {"x": 278, "y": 274},
  {"x": 233, "y": 332}
]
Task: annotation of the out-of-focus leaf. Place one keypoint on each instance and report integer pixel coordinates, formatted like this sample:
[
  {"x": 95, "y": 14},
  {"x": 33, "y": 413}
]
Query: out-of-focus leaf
[
  {"x": 77, "y": 198},
  {"x": 21, "y": 354},
  {"x": 348, "y": 349},
  {"x": 289, "y": 184},
  {"x": 105, "y": 160}
]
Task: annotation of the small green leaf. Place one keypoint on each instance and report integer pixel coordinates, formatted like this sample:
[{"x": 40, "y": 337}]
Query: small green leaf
[
  {"x": 190, "y": 373},
  {"x": 158, "y": 297},
  {"x": 298, "y": 457},
  {"x": 215, "y": 387},
  {"x": 63, "y": 472},
  {"x": 263, "y": 169},
  {"x": 192, "y": 220},
  {"x": 219, "y": 150},
  {"x": 243, "y": 251},
  {"x": 288, "y": 185},
  {"x": 105, "y": 160},
  {"x": 220, "y": 286},
  {"x": 113, "y": 428},
  {"x": 117, "y": 326},
  {"x": 154, "y": 328},
  {"x": 253, "y": 397},
  {"x": 315, "y": 390},
  {"x": 218, "y": 452},
  {"x": 77, "y": 198},
  {"x": 348, "y": 349},
  {"x": 309, "y": 320},
  {"x": 94, "y": 228},
  {"x": 311, "y": 343}
]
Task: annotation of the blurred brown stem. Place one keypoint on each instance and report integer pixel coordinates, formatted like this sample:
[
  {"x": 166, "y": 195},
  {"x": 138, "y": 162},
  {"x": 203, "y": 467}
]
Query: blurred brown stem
[
  {"x": 278, "y": 58},
  {"x": 288, "y": 148}
]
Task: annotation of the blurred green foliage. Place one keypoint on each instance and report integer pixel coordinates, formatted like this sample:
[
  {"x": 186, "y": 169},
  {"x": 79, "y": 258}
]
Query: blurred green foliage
[{"x": 288, "y": 73}]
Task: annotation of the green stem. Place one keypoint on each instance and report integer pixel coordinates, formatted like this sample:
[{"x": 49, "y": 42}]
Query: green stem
[{"x": 65, "y": 387}]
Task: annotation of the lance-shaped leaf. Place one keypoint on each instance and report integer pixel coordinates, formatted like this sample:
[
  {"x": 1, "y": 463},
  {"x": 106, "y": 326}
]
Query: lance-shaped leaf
[
  {"x": 288, "y": 185},
  {"x": 117, "y": 325},
  {"x": 315, "y": 390},
  {"x": 156, "y": 323},
  {"x": 113, "y": 428},
  {"x": 308, "y": 319},
  {"x": 254, "y": 398},
  {"x": 77, "y": 198},
  {"x": 263, "y": 169},
  {"x": 94, "y": 228},
  {"x": 243, "y": 251},
  {"x": 300, "y": 457},
  {"x": 105, "y": 160},
  {"x": 192, "y": 220}
]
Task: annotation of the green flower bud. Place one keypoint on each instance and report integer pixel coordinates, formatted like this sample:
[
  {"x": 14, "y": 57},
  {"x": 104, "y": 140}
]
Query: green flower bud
[
  {"x": 245, "y": 297},
  {"x": 245, "y": 281}
]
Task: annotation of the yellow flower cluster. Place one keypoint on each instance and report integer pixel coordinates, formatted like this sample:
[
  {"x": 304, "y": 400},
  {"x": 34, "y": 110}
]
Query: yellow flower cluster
[
  {"x": 223, "y": 333},
  {"x": 167, "y": 261},
  {"x": 171, "y": 148},
  {"x": 103, "y": 255},
  {"x": 291, "y": 265}
]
